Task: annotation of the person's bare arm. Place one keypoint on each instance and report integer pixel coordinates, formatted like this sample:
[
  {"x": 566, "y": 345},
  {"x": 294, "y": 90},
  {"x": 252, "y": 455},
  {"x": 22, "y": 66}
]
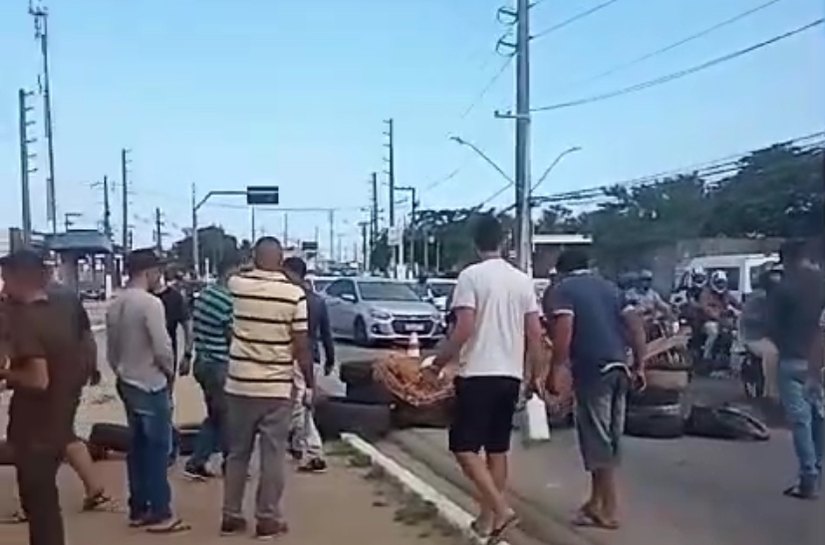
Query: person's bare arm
[
  {"x": 536, "y": 367},
  {"x": 32, "y": 374},
  {"x": 561, "y": 335},
  {"x": 465, "y": 323},
  {"x": 30, "y": 369},
  {"x": 636, "y": 338}
]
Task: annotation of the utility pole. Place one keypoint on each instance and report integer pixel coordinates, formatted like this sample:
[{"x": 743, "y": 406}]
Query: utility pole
[
  {"x": 107, "y": 211},
  {"x": 252, "y": 223},
  {"x": 524, "y": 229},
  {"x": 365, "y": 251},
  {"x": 158, "y": 231},
  {"x": 390, "y": 134},
  {"x": 286, "y": 229},
  {"x": 41, "y": 33},
  {"x": 412, "y": 192},
  {"x": 374, "y": 211},
  {"x": 25, "y": 169},
  {"x": 124, "y": 180},
  {"x": 332, "y": 235},
  {"x": 195, "y": 243}
]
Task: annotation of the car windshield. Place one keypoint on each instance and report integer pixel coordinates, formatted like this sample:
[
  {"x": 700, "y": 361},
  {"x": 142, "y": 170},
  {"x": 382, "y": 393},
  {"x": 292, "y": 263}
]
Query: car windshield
[
  {"x": 442, "y": 289},
  {"x": 387, "y": 291}
]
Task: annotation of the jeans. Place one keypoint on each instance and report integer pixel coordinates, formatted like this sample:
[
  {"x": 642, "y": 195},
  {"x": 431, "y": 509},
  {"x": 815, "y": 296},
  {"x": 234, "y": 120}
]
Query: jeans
[
  {"x": 149, "y": 417},
  {"x": 805, "y": 413},
  {"x": 268, "y": 420},
  {"x": 212, "y": 435},
  {"x": 36, "y": 475}
]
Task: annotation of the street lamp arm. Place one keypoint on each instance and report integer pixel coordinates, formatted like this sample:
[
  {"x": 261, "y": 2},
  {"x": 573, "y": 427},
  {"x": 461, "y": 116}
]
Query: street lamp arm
[
  {"x": 484, "y": 156},
  {"x": 553, "y": 165}
]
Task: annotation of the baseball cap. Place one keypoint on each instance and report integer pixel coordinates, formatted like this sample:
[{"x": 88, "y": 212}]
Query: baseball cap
[
  {"x": 25, "y": 258},
  {"x": 142, "y": 260}
]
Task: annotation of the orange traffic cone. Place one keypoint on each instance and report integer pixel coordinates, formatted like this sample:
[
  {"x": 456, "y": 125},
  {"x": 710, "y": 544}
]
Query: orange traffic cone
[{"x": 414, "y": 347}]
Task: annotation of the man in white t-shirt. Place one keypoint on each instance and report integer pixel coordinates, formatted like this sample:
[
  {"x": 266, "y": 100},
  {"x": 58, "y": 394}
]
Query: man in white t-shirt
[{"x": 496, "y": 323}]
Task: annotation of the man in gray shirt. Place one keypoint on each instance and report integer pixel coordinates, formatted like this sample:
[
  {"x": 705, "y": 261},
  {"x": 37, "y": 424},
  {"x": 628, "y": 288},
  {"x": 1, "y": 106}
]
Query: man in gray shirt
[{"x": 140, "y": 353}]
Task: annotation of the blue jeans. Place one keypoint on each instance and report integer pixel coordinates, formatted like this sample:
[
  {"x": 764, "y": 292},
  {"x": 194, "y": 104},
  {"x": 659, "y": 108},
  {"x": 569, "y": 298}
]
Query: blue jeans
[
  {"x": 149, "y": 416},
  {"x": 212, "y": 435},
  {"x": 804, "y": 411}
]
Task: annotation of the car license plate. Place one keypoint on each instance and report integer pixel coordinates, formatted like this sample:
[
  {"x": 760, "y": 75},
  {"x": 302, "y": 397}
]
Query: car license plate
[{"x": 416, "y": 328}]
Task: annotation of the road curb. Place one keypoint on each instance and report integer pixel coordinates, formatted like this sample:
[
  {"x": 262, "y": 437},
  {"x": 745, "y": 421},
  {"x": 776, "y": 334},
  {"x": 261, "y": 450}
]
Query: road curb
[{"x": 454, "y": 515}]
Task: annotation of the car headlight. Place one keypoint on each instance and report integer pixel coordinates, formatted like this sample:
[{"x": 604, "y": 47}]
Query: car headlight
[
  {"x": 380, "y": 314},
  {"x": 437, "y": 316}
]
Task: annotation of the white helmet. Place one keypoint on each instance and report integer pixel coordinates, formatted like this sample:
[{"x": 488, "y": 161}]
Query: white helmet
[
  {"x": 698, "y": 277},
  {"x": 719, "y": 281}
]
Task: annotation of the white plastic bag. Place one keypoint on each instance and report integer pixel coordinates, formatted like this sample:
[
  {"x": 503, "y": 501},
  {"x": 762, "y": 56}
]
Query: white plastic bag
[{"x": 535, "y": 427}]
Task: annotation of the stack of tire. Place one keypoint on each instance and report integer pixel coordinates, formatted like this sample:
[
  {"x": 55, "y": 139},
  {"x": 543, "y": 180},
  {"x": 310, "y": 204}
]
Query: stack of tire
[
  {"x": 365, "y": 410},
  {"x": 661, "y": 410},
  {"x": 107, "y": 439}
]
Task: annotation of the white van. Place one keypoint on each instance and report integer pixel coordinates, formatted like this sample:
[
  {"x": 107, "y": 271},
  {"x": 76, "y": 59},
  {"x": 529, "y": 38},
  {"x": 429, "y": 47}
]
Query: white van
[{"x": 743, "y": 270}]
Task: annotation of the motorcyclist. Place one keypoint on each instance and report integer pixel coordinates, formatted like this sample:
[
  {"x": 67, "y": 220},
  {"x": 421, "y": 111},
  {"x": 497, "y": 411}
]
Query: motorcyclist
[
  {"x": 697, "y": 281},
  {"x": 716, "y": 305},
  {"x": 754, "y": 327},
  {"x": 648, "y": 299},
  {"x": 626, "y": 283}
]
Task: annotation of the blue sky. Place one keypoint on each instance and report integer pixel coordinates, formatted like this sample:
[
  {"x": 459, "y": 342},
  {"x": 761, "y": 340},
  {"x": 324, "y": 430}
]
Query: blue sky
[{"x": 228, "y": 93}]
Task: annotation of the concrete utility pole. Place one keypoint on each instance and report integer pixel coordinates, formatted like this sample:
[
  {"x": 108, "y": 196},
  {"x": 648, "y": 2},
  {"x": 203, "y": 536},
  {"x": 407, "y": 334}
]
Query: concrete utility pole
[
  {"x": 252, "y": 223},
  {"x": 412, "y": 192},
  {"x": 390, "y": 134},
  {"x": 286, "y": 229},
  {"x": 25, "y": 169},
  {"x": 195, "y": 243},
  {"x": 365, "y": 250},
  {"x": 374, "y": 211},
  {"x": 332, "y": 235},
  {"x": 124, "y": 181},
  {"x": 41, "y": 33},
  {"x": 107, "y": 211},
  {"x": 158, "y": 231},
  {"x": 524, "y": 224}
]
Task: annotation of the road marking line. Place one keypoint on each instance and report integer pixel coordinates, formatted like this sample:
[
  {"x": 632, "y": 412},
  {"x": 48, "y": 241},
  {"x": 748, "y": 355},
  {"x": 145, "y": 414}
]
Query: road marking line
[{"x": 449, "y": 510}]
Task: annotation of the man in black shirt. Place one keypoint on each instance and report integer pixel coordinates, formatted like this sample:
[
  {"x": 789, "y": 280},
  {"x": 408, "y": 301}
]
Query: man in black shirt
[
  {"x": 177, "y": 316},
  {"x": 794, "y": 311}
]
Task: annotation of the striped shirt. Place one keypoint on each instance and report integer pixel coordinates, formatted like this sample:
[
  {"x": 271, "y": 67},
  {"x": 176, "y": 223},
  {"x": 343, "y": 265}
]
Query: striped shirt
[
  {"x": 268, "y": 309},
  {"x": 212, "y": 320}
]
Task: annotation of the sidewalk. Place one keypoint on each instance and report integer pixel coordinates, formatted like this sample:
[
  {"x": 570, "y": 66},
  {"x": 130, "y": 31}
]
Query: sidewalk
[
  {"x": 337, "y": 508},
  {"x": 674, "y": 492}
]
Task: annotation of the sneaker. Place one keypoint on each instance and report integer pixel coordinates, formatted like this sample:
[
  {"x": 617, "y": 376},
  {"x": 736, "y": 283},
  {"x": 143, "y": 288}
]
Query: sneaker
[
  {"x": 231, "y": 526},
  {"x": 270, "y": 529},
  {"x": 806, "y": 489},
  {"x": 199, "y": 473},
  {"x": 314, "y": 465}
]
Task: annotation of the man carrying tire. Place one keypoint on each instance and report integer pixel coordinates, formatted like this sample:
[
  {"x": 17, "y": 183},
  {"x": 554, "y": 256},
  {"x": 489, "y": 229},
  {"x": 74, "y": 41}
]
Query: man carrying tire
[
  {"x": 496, "y": 322},
  {"x": 591, "y": 328},
  {"x": 269, "y": 336}
]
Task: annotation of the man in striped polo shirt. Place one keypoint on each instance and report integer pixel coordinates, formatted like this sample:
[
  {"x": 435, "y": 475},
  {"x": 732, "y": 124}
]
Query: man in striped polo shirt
[
  {"x": 212, "y": 317},
  {"x": 269, "y": 337}
]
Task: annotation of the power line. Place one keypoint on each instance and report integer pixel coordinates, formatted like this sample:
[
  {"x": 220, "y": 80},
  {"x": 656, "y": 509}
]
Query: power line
[
  {"x": 680, "y": 74},
  {"x": 573, "y": 19},
  {"x": 486, "y": 89},
  {"x": 679, "y": 43}
]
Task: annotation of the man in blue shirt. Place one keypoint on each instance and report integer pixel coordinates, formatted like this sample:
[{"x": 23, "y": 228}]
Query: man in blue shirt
[{"x": 591, "y": 328}]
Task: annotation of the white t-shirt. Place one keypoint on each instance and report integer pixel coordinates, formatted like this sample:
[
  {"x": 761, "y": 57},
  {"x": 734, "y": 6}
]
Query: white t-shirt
[{"x": 502, "y": 296}]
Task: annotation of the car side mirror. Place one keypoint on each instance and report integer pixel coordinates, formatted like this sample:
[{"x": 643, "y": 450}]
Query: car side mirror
[{"x": 348, "y": 297}]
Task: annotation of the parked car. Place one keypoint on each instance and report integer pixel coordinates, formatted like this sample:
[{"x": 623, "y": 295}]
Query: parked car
[
  {"x": 369, "y": 310},
  {"x": 437, "y": 291}
]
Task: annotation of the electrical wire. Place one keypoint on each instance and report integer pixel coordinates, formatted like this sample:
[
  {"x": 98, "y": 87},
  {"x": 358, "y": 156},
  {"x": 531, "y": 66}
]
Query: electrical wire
[
  {"x": 486, "y": 89},
  {"x": 573, "y": 19},
  {"x": 680, "y": 74},
  {"x": 693, "y": 37}
]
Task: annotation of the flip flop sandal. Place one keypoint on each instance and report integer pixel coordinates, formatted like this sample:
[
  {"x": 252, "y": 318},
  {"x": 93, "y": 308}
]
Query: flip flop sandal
[
  {"x": 477, "y": 528},
  {"x": 18, "y": 517},
  {"x": 175, "y": 526},
  {"x": 589, "y": 520},
  {"x": 99, "y": 502},
  {"x": 497, "y": 535}
]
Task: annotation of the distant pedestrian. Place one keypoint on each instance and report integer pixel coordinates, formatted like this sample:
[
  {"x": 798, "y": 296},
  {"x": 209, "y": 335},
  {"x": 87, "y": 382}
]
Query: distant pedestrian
[
  {"x": 212, "y": 324},
  {"x": 496, "y": 323},
  {"x": 47, "y": 371},
  {"x": 306, "y": 444},
  {"x": 794, "y": 311},
  {"x": 591, "y": 329},
  {"x": 140, "y": 353},
  {"x": 270, "y": 326}
]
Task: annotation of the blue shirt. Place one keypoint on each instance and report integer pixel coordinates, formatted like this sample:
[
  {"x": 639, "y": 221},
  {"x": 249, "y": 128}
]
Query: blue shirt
[{"x": 599, "y": 338}]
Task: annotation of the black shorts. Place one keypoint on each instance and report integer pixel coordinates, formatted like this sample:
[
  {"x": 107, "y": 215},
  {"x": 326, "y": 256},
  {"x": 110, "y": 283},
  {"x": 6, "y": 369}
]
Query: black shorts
[{"x": 483, "y": 414}]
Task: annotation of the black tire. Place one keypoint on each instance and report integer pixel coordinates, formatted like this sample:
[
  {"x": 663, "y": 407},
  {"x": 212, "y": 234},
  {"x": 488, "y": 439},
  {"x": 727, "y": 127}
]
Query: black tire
[
  {"x": 336, "y": 415},
  {"x": 725, "y": 422},
  {"x": 437, "y": 415},
  {"x": 654, "y": 396},
  {"x": 359, "y": 332},
  {"x": 370, "y": 394},
  {"x": 655, "y": 422},
  {"x": 356, "y": 373},
  {"x": 108, "y": 437}
]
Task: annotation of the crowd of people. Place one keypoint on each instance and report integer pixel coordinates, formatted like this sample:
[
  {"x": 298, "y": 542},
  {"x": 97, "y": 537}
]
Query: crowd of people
[{"x": 252, "y": 341}]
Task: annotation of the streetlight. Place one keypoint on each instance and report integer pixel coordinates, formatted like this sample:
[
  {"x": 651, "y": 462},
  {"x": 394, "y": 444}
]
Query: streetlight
[
  {"x": 484, "y": 156},
  {"x": 550, "y": 168}
]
